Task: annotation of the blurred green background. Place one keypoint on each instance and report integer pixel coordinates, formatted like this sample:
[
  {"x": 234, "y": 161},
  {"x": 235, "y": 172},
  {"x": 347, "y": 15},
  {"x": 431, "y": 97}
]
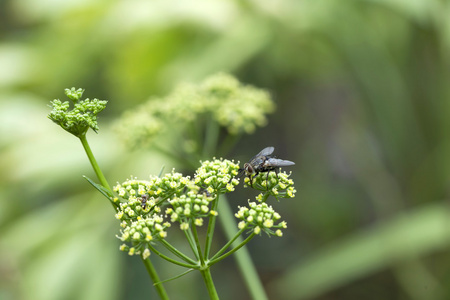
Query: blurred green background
[{"x": 362, "y": 89}]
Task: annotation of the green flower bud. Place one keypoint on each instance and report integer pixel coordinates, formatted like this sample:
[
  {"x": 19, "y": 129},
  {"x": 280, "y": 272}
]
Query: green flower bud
[{"x": 82, "y": 116}]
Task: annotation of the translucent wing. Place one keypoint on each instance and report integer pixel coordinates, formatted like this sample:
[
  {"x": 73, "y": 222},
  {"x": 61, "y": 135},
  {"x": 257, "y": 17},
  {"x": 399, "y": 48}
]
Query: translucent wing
[
  {"x": 265, "y": 152},
  {"x": 275, "y": 162}
]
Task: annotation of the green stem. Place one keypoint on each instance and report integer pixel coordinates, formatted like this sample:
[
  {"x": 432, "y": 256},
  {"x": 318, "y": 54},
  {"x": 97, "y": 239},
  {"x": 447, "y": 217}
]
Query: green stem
[
  {"x": 94, "y": 163},
  {"x": 211, "y": 226},
  {"x": 216, "y": 260},
  {"x": 155, "y": 278},
  {"x": 243, "y": 258},
  {"x": 265, "y": 197},
  {"x": 148, "y": 264},
  {"x": 228, "y": 244},
  {"x": 175, "y": 157},
  {"x": 176, "y": 262},
  {"x": 211, "y": 137},
  {"x": 190, "y": 239},
  {"x": 178, "y": 253},
  {"x": 197, "y": 243},
  {"x": 206, "y": 274},
  {"x": 228, "y": 143}
]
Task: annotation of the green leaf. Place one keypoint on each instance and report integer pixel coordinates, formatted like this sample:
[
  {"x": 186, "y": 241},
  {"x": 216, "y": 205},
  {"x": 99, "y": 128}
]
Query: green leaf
[{"x": 105, "y": 192}]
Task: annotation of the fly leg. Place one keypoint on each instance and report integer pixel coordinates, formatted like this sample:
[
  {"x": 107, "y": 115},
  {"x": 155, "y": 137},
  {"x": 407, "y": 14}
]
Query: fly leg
[{"x": 267, "y": 180}]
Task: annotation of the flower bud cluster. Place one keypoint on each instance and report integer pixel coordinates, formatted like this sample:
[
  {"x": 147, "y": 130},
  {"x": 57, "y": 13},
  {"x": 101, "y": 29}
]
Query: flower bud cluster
[
  {"x": 191, "y": 207},
  {"x": 187, "y": 201},
  {"x": 144, "y": 196},
  {"x": 217, "y": 176},
  {"x": 83, "y": 115},
  {"x": 276, "y": 184},
  {"x": 260, "y": 217},
  {"x": 238, "y": 108},
  {"x": 141, "y": 232}
]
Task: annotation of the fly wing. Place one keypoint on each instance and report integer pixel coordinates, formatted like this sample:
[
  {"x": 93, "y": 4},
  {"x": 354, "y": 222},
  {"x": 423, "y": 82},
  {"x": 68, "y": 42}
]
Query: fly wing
[
  {"x": 265, "y": 152},
  {"x": 259, "y": 158},
  {"x": 275, "y": 162}
]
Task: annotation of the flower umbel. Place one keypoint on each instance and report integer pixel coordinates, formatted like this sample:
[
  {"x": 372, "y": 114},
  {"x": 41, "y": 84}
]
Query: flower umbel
[
  {"x": 188, "y": 207},
  {"x": 260, "y": 217},
  {"x": 277, "y": 184},
  {"x": 220, "y": 98},
  {"x": 186, "y": 201},
  {"x": 217, "y": 176},
  {"x": 141, "y": 232},
  {"x": 79, "y": 119},
  {"x": 141, "y": 197}
]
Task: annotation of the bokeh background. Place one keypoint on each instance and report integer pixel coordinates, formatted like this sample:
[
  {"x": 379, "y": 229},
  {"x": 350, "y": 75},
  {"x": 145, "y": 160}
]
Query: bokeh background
[{"x": 362, "y": 90}]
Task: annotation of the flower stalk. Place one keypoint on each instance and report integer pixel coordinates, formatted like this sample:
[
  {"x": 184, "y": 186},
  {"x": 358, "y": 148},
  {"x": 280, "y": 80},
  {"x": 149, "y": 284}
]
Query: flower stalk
[
  {"x": 77, "y": 122},
  {"x": 94, "y": 163}
]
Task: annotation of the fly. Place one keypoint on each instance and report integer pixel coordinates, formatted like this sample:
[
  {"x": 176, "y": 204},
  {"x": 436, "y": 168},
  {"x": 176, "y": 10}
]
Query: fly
[
  {"x": 144, "y": 199},
  {"x": 264, "y": 161}
]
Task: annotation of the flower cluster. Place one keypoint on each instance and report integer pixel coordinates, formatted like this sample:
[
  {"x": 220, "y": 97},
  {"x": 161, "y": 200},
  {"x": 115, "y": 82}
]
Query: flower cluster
[
  {"x": 145, "y": 196},
  {"x": 217, "y": 176},
  {"x": 141, "y": 232},
  {"x": 238, "y": 108},
  {"x": 260, "y": 217},
  {"x": 79, "y": 119},
  {"x": 276, "y": 184},
  {"x": 187, "y": 201},
  {"x": 191, "y": 207}
]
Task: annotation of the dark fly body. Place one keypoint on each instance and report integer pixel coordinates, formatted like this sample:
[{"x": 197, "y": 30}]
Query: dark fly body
[
  {"x": 144, "y": 199},
  {"x": 262, "y": 162}
]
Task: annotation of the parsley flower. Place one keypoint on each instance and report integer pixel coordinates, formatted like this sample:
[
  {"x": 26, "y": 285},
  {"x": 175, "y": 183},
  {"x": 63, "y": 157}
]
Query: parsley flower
[
  {"x": 81, "y": 117},
  {"x": 260, "y": 217}
]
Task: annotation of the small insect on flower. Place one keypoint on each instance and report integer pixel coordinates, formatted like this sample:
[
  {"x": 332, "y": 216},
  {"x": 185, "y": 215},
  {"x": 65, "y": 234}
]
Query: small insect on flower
[
  {"x": 264, "y": 161},
  {"x": 144, "y": 199}
]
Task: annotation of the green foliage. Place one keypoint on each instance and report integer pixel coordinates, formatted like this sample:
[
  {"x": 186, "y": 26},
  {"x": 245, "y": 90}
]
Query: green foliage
[{"x": 361, "y": 89}]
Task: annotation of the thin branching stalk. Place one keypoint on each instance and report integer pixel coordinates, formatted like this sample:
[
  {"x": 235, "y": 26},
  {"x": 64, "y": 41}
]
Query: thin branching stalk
[
  {"x": 215, "y": 260},
  {"x": 211, "y": 227},
  {"x": 243, "y": 259},
  {"x": 178, "y": 253},
  {"x": 228, "y": 244},
  {"x": 176, "y": 262},
  {"x": 155, "y": 278}
]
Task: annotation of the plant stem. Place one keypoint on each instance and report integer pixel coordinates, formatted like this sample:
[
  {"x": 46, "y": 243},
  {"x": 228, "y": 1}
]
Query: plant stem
[
  {"x": 243, "y": 258},
  {"x": 228, "y": 244},
  {"x": 155, "y": 278},
  {"x": 190, "y": 239},
  {"x": 206, "y": 274},
  {"x": 176, "y": 157},
  {"x": 216, "y": 260},
  {"x": 175, "y": 262},
  {"x": 228, "y": 143},
  {"x": 177, "y": 252},
  {"x": 211, "y": 226},
  {"x": 148, "y": 264},
  {"x": 94, "y": 163},
  {"x": 211, "y": 137},
  {"x": 197, "y": 243}
]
